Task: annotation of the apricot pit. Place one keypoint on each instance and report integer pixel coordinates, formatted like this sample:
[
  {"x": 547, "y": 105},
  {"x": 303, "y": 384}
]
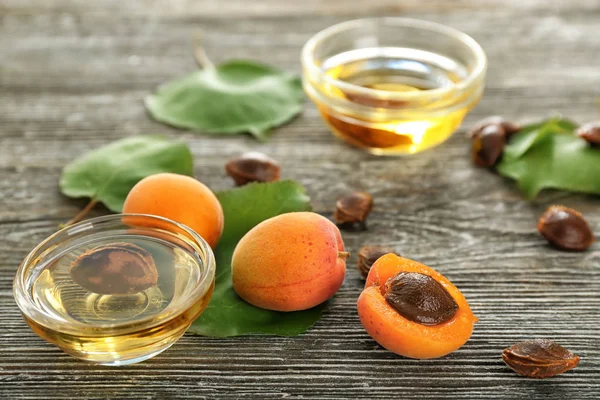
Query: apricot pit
[
  {"x": 353, "y": 208},
  {"x": 367, "y": 256},
  {"x": 253, "y": 167},
  {"x": 420, "y": 298},
  {"x": 565, "y": 228},
  {"x": 118, "y": 268}
]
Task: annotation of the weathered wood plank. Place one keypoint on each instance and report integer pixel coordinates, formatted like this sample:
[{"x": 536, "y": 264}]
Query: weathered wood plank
[
  {"x": 244, "y": 9},
  {"x": 72, "y": 77}
]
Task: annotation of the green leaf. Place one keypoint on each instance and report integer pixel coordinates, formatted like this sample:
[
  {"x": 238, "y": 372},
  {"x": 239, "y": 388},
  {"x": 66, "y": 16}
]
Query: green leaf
[
  {"x": 235, "y": 97},
  {"x": 531, "y": 134},
  {"x": 227, "y": 314},
  {"x": 109, "y": 172},
  {"x": 550, "y": 155}
]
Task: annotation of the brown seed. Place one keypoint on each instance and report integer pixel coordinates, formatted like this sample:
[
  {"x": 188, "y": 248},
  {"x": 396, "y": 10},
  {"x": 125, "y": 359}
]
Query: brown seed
[
  {"x": 590, "y": 132},
  {"x": 370, "y": 136},
  {"x": 488, "y": 145},
  {"x": 353, "y": 208},
  {"x": 510, "y": 128},
  {"x": 368, "y": 255},
  {"x": 540, "y": 358},
  {"x": 420, "y": 298},
  {"x": 118, "y": 268},
  {"x": 565, "y": 228},
  {"x": 253, "y": 167}
]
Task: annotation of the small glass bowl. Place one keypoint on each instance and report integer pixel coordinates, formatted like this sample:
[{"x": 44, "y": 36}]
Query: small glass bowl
[
  {"x": 142, "y": 281},
  {"x": 435, "y": 76}
]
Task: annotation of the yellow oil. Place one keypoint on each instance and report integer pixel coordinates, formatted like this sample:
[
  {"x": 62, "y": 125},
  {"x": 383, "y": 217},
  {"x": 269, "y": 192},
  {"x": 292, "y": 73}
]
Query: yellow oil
[
  {"x": 148, "y": 321},
  {"x": 395, "y": 70}
]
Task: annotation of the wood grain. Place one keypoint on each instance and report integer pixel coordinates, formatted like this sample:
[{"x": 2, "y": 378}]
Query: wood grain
[{"x": 72, "y": 77}]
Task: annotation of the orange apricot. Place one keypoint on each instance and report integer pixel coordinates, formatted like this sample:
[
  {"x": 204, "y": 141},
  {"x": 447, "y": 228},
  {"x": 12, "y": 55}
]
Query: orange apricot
[
  {"x": 413, "y": 334},
  {"x": 289, "y": 262},
  {"x": 180, "y": 198}
]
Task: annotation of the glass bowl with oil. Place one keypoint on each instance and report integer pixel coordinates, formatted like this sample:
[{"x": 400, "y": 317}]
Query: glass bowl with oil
[
  {"x": 393, "y": 85},
  {"x": 118, "y": 289}
]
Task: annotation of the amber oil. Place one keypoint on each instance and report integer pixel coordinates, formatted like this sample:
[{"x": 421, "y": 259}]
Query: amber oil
[
  {"x": 382, "y": 84},
  {"x": 133, "y": 323}
]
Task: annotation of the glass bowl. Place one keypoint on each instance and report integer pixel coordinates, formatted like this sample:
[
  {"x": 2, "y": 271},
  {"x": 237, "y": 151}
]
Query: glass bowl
[
  {"x": 393, "y": 85},
  {"x": 118, "y": 289}
]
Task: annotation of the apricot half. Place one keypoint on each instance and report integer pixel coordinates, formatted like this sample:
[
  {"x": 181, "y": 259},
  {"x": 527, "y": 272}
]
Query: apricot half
[
  {"x": 289, "y": 262},
  {"x": 419, "y": 336},
  {"x": 180, "y": 198}
]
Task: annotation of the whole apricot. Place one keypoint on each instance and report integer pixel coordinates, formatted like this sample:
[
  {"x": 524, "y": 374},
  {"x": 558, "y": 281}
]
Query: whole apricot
[
  {"x": 180, "y": 198},
  {"x": 413, "y": 310},
  {"x": 289, "y": 262}
]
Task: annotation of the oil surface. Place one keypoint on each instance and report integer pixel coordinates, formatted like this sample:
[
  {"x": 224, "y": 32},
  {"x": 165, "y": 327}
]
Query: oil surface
[
  {"x": 66, "y": 301},
  {"x": 397, "y": 70}
]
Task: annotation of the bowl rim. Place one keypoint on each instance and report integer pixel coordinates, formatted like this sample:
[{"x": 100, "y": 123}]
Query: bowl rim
[
  {"x": 30, "y": 310},
  {"x": 308, "y": 59}
]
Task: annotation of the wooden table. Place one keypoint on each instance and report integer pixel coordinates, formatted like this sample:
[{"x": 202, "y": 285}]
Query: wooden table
[{"x": 72, "y": 77}]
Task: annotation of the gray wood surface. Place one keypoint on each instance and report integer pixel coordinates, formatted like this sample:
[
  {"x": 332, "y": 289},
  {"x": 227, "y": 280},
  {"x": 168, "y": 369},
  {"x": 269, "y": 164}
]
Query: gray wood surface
[{"x": 72, "y": 77}]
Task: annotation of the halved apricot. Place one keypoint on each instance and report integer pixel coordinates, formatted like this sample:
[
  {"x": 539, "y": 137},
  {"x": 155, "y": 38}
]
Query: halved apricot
[{"x": 404, "y": 335}]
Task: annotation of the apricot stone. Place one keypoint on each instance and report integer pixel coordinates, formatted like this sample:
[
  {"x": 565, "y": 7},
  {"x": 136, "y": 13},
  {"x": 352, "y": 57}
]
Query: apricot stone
[
  {"x": 402, "y": 335},
  {"x": 180, "y": 198},
  {"x": 289, "y": 262}
]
